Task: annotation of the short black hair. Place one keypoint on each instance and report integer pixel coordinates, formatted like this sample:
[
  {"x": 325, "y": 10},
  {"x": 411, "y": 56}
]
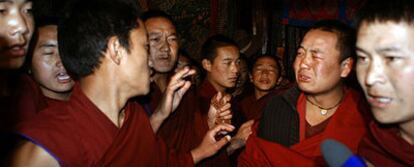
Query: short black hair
[
  {"x": 210, "y": 46},
  {"x": 155, "y": 14},
  {"x": 383, "y": 11},
  {"x": 84, "y": 35},
  {"x": 346, "y": 36}
]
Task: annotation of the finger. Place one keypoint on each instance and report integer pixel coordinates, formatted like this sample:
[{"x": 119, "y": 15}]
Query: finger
[
  {"x": 189, "y": 73},
  {"x": 175, "y": 86},
  {"x": 224, "y": 113},
  {"x": 225, "y": 107},
  {"x": 223, "y": 141},
  {"x": 221, "y": 127},
  {"x": 180, "y": 74},
  {"x": 226, "y": 98},
  {"x": 227, "y": 117}
]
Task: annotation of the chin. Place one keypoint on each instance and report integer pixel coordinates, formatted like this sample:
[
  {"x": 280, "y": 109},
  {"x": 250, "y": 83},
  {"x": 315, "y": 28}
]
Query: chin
[{"x": 12, "y": 64}]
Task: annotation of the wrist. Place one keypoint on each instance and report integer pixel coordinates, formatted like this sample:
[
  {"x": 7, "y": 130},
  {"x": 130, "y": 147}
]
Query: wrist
[{"x": 197, "y": 155}]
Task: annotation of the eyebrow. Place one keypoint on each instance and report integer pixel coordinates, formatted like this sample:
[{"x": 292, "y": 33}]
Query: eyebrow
[
  {"x": 154, "y": 33},
  {"x": 9, "y": 1},
  {"x": 388, "y": 49},
  {"x": 48, "y": 45}
]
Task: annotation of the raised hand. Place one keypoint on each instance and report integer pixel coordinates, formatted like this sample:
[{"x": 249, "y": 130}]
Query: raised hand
[
  {"x": 210, "y": 146},
  {"x": 241, "y": 137},
  {"x": 220, "y": 110},
  {"x": 172, "y": 96}
]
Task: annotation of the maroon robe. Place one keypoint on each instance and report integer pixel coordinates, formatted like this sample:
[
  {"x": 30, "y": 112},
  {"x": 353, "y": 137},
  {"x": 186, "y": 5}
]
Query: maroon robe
[
  {"x": 79, "y": 134},
  {"x": 31, "y": 100},
  {"x": 178, "y": 131},
  {"x": 346, "y": 125},
  {"x": 204, "y": 95},
  {"x": 252, "y": 108},
  {"x": 384, "y": 147}
]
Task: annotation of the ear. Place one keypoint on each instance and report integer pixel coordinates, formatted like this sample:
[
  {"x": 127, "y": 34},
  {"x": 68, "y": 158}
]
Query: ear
[
  {"x": 206, "y": 64},
  {"x": 251, "y": 77},
  {"x": 114, "y": 50},
  {"x": 346, "y": 67}
]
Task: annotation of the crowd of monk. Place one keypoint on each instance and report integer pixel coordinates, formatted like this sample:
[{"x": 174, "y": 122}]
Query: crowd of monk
[{"x": 103, "y": 84}]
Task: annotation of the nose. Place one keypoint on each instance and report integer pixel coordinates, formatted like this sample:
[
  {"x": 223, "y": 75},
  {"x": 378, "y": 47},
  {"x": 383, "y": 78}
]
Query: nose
[
  {"x": 304, "y": 61},
  {"x": 165, "y": 46},
  {"x": 235, "y": 68},
  {"x": 375, "y": 73},
  {"x": 18, "y": 25}
]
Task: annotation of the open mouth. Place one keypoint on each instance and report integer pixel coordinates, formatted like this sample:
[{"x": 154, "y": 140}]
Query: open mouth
[
  {"x": 16, "y": 51},
  {"x": 63, "y": 77},
  {"x": 379, "y": 101}
]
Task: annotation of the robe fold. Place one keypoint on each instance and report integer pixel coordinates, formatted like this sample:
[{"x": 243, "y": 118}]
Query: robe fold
[
  {"x": 383, "y": 146},
  {"x": 79, "y": 134},
  {"x": 177, "y": 131},
  {"x": 204, "y": 94},
  {"x": 31, "y": 100},
  {"x": 287, "y": 145}
]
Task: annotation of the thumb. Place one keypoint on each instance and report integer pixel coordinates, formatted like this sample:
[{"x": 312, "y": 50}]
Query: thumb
[{"x": 223, "y": 141}]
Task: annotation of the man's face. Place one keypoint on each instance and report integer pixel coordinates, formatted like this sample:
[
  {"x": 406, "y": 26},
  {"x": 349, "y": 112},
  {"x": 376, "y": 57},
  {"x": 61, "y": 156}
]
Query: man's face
[
  {"x": 224, "y": 69},
  {"x": 47, "y": 67},
  {"x": 243, "y": 74},
  {"x": 317, "y": 65},
  {"x": 385, "y": 69},
  {"x": 16, "y": 29},
  {"x": 163, "y": 44},
  {"x": 136, "y": 66},
  {"x": 265, "y": 74}
]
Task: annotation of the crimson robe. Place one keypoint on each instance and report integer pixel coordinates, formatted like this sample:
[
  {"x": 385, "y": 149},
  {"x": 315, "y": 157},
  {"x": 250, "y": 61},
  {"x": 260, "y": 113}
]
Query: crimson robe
[
  {"x": 79, "y": 134},
  {"x": 204, "y": 94},
  {"x": 251, "y": 107},
  {"x": 383, "y": 146},
  {"x": 346, "y": 125},
  {"x": 177, "y": 131},
  {"x": 31, "y": 100}
]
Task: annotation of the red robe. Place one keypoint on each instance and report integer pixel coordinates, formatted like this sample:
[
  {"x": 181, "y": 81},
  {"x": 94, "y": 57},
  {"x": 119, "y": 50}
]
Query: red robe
[
  {"x": 31, "y": 100},
  {"x": 252, "y": 108},
  {"x": 79, "y": 134},
  {"x": 346, "y": 126},
  {"x": 178, "y": 130},
  {"x": 384, "y": 147}
]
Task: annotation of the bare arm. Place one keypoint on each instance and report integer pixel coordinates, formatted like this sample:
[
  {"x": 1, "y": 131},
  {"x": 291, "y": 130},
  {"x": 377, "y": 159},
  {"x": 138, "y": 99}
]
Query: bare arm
[
  {"x": 241, "y": 137},
  {"x": 31, "y": 155},
  {"x": 172, "y": 96}
]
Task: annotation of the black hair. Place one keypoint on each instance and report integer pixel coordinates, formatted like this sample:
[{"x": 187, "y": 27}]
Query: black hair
[
  {"x": 84, "y": 35},
  {"x": 210, "y": 46},
  {"x": 155, "y": 14},
  {"x": 387, "y": 10},
  {"x": 346, "y": 36}
]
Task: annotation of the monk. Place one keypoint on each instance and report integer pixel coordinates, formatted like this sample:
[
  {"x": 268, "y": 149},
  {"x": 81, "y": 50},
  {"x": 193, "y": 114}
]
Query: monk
[
  {"x": 15, "y": 33},
  {"x": 294, "y": 123},
  {"x": 385, "y": 70},
  {"x": 104, "y": 45},
  {"x": 178, "y": 130},
  {"x": 49, "y": 83},
  {"x": 264, "y": 76},
  {"x": 220, "y": 60}
]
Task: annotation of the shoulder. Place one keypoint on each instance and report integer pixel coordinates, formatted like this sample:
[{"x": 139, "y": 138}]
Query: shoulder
[{"x": 34, "y": 156}]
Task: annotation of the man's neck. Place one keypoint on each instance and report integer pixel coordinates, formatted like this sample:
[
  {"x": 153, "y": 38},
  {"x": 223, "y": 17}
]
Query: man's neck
[
  {"x": 407, "y": 131},
  {"x": 329, "y": 98},
  {"x": 111, "y": 101},
  {"x": 161, "y": 80},
  {"x": 216, "y": 86},
  {"x": 259, "y": 94}
]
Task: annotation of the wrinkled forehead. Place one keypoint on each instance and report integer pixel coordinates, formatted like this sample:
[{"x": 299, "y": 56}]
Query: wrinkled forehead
[
  {"x": 159, "y": 24},
  {"x": 15, "y": 1}
]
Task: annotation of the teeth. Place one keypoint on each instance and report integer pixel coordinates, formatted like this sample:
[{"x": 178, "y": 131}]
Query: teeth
[
  {"x": 383, "y": 99},
  {"x": 62, "y": 76}
]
